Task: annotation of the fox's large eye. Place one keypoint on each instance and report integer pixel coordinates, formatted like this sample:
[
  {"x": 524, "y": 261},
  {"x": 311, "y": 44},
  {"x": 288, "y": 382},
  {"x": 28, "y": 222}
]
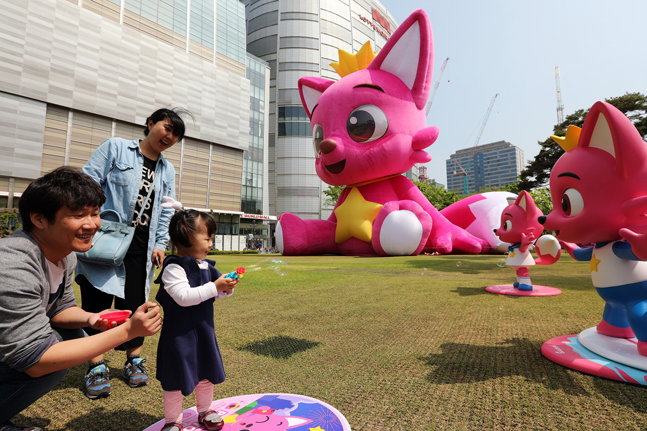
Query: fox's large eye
[
  {"x": 507, "y": 225},
  {"x": 317, "y": 137},
  {"x": 572, "y": 202},
  {"x": 366, "y": 123}
]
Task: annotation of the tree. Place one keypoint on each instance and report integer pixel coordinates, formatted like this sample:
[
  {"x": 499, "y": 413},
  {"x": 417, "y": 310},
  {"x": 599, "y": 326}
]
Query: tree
[
  {"x": 537, "y": 173},
  {"x": 332, "y": 194},
  {"x": 438, "y": 196},
  {"x": 542, "y": 199}
]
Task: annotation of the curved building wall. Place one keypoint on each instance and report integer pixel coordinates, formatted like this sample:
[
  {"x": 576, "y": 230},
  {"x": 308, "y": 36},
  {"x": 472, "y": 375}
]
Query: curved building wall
[{"x": 297, "y": 39}]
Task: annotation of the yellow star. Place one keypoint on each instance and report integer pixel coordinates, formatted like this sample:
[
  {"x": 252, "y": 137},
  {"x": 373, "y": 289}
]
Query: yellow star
[
  {"x": 355, "y": 217},
  {"x": 594, "y": 263},
  {"x": 511, "y": 254},
  {"x": 317, "y": 429}
]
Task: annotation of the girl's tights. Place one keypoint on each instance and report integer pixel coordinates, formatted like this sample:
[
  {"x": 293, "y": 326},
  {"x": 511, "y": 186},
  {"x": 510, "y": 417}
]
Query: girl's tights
[{"x": 173, "y": 401}]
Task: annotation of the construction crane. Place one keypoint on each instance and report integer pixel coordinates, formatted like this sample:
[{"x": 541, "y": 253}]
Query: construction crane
[
  {"x": 433, "y": 93},
  {"x": 421, "y": 167},
  {"x": 465, "y": 172},
  {"x": 560, "y": 105}
]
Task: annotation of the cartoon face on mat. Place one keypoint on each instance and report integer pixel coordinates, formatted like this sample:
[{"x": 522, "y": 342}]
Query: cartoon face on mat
[{"x": 264, "y": 418}]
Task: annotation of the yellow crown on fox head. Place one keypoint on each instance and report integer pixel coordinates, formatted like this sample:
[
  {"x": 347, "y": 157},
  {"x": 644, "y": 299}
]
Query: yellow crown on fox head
[
  {"x": 349, "y": 63},
  {"x": 570, "y": 140}
]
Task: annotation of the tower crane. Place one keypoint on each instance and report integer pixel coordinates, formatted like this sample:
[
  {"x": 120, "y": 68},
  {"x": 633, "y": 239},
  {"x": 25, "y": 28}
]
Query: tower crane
[
  {"x": 560, "y": 105},
  {"x": 433, "y": 93},
  {"x": 422, "y": 170},
  {"x": 465, "y": 172}
]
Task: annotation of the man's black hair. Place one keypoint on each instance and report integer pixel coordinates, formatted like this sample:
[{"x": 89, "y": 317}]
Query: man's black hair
[
  {"x": 64, "y": 186},
  {"x": 173, "y": 116},
  {"x": 184, "y": 224}
]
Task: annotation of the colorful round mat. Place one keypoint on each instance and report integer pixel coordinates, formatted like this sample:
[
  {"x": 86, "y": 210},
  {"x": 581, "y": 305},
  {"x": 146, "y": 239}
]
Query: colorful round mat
[
  {"x": 276, "y": 412},
  {"x": 537, "y": 290}
]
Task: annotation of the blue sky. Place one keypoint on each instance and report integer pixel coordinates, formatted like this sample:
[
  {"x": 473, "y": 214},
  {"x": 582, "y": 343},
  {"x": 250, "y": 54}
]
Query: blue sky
[{"x": 511, "y": 48}]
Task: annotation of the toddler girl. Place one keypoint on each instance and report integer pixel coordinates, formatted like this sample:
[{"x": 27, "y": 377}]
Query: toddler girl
[{"x": 188, "y": 358}]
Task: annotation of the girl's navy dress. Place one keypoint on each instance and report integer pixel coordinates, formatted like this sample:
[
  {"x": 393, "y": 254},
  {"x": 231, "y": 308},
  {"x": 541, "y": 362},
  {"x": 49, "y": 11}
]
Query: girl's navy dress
[{"x": 188, "y": 350}]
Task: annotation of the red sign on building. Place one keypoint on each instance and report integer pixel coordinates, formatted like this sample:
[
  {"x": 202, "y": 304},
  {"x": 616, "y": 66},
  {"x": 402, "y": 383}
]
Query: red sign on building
[{"x": 377, "y": 16}]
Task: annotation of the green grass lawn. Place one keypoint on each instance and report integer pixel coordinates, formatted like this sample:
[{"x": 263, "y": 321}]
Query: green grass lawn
[{"x": 389, "y": 347}]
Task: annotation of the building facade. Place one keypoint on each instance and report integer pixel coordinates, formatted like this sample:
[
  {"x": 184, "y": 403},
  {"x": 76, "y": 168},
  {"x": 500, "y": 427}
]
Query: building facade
[
  {"x": 75, "y": 72},
  {"x": 255, "y": 220},
  {"x": 490, "y": 165},
  {"x": 297, "y": 39}
]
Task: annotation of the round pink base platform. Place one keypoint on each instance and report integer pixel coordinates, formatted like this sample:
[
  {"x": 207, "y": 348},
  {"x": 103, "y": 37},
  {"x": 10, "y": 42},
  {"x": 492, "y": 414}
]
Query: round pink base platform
[
  {"x": 508, "y": 289},
  {"x": 569, "y": 352}
]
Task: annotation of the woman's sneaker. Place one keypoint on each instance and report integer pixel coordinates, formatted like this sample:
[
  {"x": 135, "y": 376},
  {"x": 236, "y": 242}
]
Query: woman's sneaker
[
  {"x": 97, "y": 382},
  {"x": 135, "y": 373}
]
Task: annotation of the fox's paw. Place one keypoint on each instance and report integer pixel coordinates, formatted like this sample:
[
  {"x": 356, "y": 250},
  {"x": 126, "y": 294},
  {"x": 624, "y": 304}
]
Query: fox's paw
[
  {"x": 548, "y": 250},
  {"x": 401, "y": 229}
]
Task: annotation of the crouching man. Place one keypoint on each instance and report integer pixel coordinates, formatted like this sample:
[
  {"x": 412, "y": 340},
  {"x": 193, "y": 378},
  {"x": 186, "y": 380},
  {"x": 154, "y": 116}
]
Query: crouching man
[{"x": 40, "y": 324}]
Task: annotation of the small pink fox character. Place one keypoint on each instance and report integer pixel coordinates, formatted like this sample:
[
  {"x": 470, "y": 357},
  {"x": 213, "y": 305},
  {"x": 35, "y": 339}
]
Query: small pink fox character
[
  {"x": 265, "y": 418},
  {"x": 368, "y": 128},
  {"x": 599, "y": 192},
  {"x": 519, "y": 225}
]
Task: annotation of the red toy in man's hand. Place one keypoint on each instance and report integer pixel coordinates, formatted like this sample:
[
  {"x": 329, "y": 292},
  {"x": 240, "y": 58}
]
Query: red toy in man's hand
[{"x": 115, "y": 316}]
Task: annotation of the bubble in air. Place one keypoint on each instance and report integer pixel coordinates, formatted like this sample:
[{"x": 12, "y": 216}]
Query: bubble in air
[
  {"x": 458, "y": 263},
  {"x": 277, "y": 265},
  {"x": 424, "y": 271},
  {"x": 500, "y": 263}
]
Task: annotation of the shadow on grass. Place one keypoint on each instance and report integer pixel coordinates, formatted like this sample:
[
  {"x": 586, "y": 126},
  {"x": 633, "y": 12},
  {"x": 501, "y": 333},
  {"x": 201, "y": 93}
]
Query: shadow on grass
[
  {"x": 279, "y": 347},
  {"x": 467, "y": 363},
  {"x": 470, "y": 291},
  {"x": 98, "y": 419}
]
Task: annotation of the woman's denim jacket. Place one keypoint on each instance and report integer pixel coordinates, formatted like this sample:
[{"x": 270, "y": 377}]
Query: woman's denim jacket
[{"x": 117, "y": 166}]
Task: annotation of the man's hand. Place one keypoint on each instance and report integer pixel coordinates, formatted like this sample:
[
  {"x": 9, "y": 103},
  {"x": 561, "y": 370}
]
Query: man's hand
[
  {"x": 146, "y": 320},
  {"x": 96, "y": 322}
]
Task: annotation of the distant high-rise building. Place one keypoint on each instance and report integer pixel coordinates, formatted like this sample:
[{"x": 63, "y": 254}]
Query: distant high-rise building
[{"x": 490, "y": 165}]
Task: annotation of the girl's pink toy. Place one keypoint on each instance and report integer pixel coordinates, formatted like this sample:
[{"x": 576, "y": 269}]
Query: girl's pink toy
[
  {"x": 115, "y": 316},
  {"x": 369, "y": 128},
  {"x": 520, "y": 227},
  {"x": 599, "y": 192}
]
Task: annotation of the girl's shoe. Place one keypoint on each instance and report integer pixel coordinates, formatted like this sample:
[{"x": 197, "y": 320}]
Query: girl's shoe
[
  {"x": 172, "y": 426},
  {"x": 212, "y": 424}
]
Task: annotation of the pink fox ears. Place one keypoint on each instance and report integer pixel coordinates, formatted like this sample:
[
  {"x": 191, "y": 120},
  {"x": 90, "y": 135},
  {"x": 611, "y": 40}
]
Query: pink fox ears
[
  {"x": 610, "y": 130},
  {"x": 409, "y": 55},
  {"x": 525, "y": 201},
  {"x": 310, "y": 90}
]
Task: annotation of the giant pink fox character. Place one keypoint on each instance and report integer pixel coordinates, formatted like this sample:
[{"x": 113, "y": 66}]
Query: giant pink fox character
[
  {"x": 599, "y": 193},
  {"x": 520, "y": 227},
  {"x": 368, "y": 128}
]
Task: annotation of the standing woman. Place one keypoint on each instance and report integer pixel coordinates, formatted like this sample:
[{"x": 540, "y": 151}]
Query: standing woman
[{"x": 126, "y": 171}]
